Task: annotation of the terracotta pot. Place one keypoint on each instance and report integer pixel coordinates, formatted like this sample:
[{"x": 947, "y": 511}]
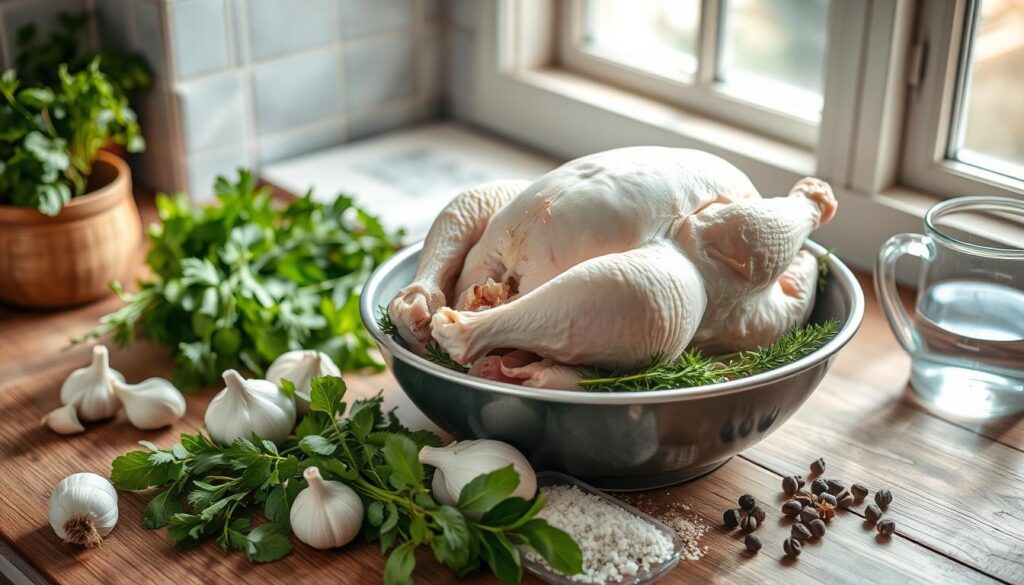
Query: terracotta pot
[{"x": 71, "y": 258}]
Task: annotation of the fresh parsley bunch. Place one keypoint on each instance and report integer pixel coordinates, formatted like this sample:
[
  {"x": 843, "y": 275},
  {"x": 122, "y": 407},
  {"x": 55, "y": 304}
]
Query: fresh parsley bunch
[
  {"x": 248, "y": 280},
  {"x": 49, "y": 136},
  {"x": 224, "y": 493}
]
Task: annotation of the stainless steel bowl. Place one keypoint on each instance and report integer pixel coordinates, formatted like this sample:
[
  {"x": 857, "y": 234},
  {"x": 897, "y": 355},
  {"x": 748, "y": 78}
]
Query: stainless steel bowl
[{"x": 618, "y": 441}]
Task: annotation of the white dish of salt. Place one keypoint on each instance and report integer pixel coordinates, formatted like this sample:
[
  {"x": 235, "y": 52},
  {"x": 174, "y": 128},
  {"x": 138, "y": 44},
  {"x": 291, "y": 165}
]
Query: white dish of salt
[{"x": 621, "y": 545}]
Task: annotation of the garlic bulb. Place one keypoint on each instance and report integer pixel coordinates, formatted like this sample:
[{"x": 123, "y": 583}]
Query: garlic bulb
[
  {"x": 83, "y": 509},
  {"x": 90, "y": 388},
  {"x": 463, "y": 461},
  {"x": 152, "y": 403},
  {"x": 327, "y": 514},
  {"x": 299, "y": 368},
  {"x": 63, "y": 420},
  {"x": 245, "y": 407}
]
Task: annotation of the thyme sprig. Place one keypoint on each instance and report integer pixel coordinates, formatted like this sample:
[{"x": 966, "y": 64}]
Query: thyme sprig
[{"x": 694, "y": 369}]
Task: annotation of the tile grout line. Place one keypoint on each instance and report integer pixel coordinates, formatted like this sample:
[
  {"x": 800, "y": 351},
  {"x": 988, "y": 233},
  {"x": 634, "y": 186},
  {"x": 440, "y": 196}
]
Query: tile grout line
[{"x": 899, "y": 534}]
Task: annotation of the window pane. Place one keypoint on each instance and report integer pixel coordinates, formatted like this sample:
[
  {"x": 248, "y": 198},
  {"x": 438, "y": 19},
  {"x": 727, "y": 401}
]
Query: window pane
[
  {"x": 992, "y": 104},
  {"x": 774, "y": 51},
  {"x": 655, "y": 35}
]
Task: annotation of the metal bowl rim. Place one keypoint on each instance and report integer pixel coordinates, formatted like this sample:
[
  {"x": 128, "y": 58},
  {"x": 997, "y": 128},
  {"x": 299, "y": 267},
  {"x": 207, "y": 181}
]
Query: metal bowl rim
[{"x": 839, "y": 272}]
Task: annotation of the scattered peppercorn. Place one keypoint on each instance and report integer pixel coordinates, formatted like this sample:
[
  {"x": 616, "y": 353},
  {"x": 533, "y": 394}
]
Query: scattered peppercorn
[
  {"x": 886, "y": 527},
  {"x": 791, "y": 547},
  {"x": 829, "y": 498},
  {"x": 752, "y": 542},
  {"x": 792, "y": 508},
  {"x": 758, "y": 512},
  {"x": 817, "y": 528},
  {"x": 747, "y": 502},
  {"x": 818, "y": 466},
  {"x": 872, "y": 513},
  {"x": 748, "y": 524},
  {"x": 800, "y": 532},
  {"x": 883, "y": 498},
  {"x": 819, "y": 487},
  {"x": 859, "y": 491},
  {"x": 845, "y": 501},
  {"x": 826, "y": 510},
  {"x": 835, "y": 486},
  {"x": 790, "y": 484},
  {"x": 808, "y": 514},
  {"x": 731, "y": 518}
]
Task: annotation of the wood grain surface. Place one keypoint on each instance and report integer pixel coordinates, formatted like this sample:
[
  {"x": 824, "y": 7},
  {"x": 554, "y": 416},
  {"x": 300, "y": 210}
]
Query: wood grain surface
[{"x": 958, "y": 487}]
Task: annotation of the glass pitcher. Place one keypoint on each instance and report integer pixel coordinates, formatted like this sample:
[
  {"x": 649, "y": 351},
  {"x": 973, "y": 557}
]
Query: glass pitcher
[{"x": 966, "y": 336}]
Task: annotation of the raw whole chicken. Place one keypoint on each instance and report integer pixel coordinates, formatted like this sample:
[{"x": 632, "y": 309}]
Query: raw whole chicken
[{"x": 609, "y": 261}]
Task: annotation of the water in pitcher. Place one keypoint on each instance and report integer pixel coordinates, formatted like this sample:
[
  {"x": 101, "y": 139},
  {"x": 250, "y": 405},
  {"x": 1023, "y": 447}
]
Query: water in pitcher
[{"x": 971, "y": 360}]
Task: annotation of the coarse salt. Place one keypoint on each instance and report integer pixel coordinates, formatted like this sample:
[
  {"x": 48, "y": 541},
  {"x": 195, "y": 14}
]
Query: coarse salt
[{"x": 616, "y": 544}]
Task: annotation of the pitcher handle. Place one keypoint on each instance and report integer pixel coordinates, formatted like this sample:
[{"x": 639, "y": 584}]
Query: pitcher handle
[{"x": 885, "y": 284}]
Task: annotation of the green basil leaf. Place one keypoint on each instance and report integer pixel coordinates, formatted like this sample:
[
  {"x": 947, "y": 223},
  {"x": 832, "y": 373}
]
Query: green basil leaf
[
  {"x": 326, "y": 395},
  {"x": 502, "y": 557},
  {"x": 401, "y": 455},
  {"x": 277, "y": 508},
  {"x": 317, "y": 445},
  {"x": 136, "y": 471},
  {"x": 487, "y": 490},
  {"x": 513, "y": 512},
  {"x": 267, "y": 543},
  {"x": 160, "y": 510},
  {"x": 557, "y": 547},
  {"x": 400, "y": 564}
]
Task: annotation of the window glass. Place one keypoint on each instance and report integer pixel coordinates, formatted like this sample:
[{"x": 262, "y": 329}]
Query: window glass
[
  {"x": 655, "y": 35},
  {"x": 990, "y": 113},
  {"x": 773, "y": 51}
]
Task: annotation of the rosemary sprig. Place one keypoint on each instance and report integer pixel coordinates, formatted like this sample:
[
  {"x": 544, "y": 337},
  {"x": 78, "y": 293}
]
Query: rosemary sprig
[
  {"x": 693, "y": 369},
  {"x": 823, "y": 269},
  {"x": 384, "y": 322},
  {"x": 439, "y": 356}
]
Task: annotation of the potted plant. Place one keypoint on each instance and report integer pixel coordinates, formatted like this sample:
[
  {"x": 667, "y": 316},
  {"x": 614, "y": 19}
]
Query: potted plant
[{"x": 68, "y": 222}]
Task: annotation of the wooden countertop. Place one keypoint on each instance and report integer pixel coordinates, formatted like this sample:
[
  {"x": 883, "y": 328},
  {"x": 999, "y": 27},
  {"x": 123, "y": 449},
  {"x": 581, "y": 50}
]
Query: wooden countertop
[{"x": 958, "y": 487}]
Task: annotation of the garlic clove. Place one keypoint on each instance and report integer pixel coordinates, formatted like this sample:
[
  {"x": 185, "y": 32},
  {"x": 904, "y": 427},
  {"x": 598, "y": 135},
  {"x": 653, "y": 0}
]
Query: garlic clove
[
  {"x": 461, "y": 462},
  {"x": 245, "y": 407},
  {"x": 63, "y": 420},
  {"x": 326, "y": 514},
  {"x": 299, "y": 368},
  {"x": 83, "y": 509},
  {"x": 90, "y": 388},
  {"x": 152, "y": 403}
]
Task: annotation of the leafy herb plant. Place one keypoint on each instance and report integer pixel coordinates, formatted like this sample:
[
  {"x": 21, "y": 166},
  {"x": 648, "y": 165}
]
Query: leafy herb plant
[
  {"x": 49, "y": 137},
  {"x": 248, "y": 280},
  {"x": 209, "y": 492}
]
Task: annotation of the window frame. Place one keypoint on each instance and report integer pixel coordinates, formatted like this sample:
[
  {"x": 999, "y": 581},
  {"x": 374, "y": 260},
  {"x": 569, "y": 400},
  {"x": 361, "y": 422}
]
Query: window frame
[
  {"x": 703, "y": 94},
  {"x": 939, "y": 45}
]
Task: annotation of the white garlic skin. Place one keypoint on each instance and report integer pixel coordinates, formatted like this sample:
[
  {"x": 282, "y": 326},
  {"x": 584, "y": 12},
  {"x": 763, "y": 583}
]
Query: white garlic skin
[
  {"x": 83, "y": 509},
  {"x": 63, "y": 420},
  {"x": 152, "y": 403},
  {"x": 326, "y": 514},
  {"x": 299, "y": 368},
  {"x": 90, "y": 388},
  {"x": 245, "y": 407},
  {"x": 461, "y": 462}
]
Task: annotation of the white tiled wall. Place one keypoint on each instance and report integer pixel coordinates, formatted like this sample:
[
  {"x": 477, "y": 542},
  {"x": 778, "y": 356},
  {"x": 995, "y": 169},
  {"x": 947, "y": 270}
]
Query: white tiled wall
[{"x": 249, "y": 82}]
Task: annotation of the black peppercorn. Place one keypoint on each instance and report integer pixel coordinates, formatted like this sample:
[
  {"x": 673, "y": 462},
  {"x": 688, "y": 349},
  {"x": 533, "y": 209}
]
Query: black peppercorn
[
  {"x": 818, "y": 466},
  {"x": 791, "y": 547},
  {"x": 758, "y": 512},
  {"x": 800, "y": 532},
  {"x": 747, "y": 502},
  {"x": 872, "y": 513},
  {"x": 859, "y": 491},
  {"x": 731, "y": 518},
  {"x": 808, "y": 514},
  {"x": 883, "y": 498},
  {"x": 790, "y": 485},
  {"x": 835, "y": 486},
  {"x": 819, "y": 487},
  {"x": 830, "y": 499},
  {"x": 752, "y": 542},
  {"x": 792, "y": 508},
  {"x": 845, "y": 500},
  {"x": 886, "y": 527},
  {"x": 817, "y": 528},
  {"x": 748, "y": 524}
]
